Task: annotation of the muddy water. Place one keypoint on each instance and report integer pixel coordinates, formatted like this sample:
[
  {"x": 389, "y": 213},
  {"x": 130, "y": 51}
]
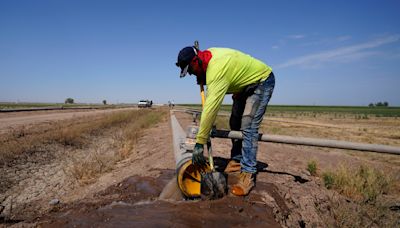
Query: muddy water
[
  {"x": 135, "y": 203},
  {"x": 171, "y": 191}
]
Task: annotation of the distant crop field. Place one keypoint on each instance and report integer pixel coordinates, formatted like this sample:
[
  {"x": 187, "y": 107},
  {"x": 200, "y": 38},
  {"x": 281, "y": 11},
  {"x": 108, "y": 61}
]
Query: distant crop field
[
  {"x": 362, "y": 112},
  {"x": 378, "y": 111}
]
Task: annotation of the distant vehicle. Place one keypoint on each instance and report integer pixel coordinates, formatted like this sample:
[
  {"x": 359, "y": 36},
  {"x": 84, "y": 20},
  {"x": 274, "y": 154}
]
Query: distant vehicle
[
  {"x": 171, "y": 104},
  {"x": 145, "y": 104}
]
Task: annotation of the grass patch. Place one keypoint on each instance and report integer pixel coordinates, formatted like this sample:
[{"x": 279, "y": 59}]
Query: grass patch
[
  {"x": 312, "y": 167},
  {"x": 102, "y": 158},
  {"x": 329, "y": 179},
  {"x": 367, "y": 191},
  {"x": 133, "y": 129},
  {"x": 85, "y": 169},
  {"x": 362, "y": 185},
  {"x": 348, "y": 214}
]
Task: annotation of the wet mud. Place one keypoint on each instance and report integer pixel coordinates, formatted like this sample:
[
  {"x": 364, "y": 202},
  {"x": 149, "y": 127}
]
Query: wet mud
[{"x": 135, "y": 202}]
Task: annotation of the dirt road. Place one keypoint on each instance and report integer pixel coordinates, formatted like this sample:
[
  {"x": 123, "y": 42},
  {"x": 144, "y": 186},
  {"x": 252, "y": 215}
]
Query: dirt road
[{"x": 9, "y": 121}]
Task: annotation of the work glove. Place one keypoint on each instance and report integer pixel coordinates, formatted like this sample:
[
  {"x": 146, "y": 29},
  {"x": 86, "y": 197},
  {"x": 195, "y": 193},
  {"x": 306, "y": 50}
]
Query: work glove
[{"x": 197, "y": 156}]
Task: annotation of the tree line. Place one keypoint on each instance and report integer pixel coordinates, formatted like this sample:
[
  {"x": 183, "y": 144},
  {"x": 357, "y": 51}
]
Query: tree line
[{"x": 379, "y": 104}]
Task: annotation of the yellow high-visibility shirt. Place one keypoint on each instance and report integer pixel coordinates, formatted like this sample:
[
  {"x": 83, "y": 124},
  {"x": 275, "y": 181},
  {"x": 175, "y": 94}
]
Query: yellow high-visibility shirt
[{"x": 229, "y": 71}]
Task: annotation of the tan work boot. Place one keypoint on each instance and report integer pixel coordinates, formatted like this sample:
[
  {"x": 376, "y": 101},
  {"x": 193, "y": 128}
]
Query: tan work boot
[
  {"x": 245, "y": 184},
  {"x": 232, "y": 167}
]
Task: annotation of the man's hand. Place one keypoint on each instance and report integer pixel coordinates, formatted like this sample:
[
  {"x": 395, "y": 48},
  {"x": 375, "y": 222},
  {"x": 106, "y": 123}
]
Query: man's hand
[{"x": 197, "y": 157}]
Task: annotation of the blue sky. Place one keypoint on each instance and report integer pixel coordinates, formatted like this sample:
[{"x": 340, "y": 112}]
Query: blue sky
[{"x": 322, "y": 52}]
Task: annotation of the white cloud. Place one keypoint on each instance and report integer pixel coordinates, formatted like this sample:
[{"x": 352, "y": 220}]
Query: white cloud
[
  {"x": 343, "y": 38},
  {"x": 327, "y": 41},
  {"x": 297, "y": 36},
  {"x": 283, "y": 41},
  {"x": 358, "y": 55},
  {"x": 350, "y": 52}
]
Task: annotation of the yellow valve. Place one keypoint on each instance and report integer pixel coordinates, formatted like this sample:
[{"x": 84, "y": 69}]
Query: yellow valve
[{"x": 189, "y": 179}]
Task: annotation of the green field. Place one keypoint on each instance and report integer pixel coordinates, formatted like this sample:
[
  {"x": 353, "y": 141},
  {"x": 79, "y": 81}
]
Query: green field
[{"x": 307, "y": 110}]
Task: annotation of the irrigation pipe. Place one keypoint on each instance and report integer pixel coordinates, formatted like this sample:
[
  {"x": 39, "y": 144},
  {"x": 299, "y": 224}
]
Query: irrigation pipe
[
  {"x": 179, "y": 137},
  {"x": 311, "y": 142}
]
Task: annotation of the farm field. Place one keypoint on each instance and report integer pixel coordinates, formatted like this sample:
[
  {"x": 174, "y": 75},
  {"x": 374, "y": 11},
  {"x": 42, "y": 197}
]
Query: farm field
[
  {"x": 376, "y": 125},
  {"x": 110, "y": 167}
]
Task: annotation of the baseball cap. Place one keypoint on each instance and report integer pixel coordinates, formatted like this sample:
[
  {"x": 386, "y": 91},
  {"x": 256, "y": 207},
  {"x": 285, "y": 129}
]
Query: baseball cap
[{"x": 185, "y": 56}]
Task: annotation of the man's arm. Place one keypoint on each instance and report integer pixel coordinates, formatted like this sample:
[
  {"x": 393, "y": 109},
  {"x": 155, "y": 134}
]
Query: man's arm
[{"x": 215, "y": 95}]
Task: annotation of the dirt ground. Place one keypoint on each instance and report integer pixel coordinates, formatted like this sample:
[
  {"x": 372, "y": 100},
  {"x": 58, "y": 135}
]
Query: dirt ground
[{"x": 286, "y": 194}]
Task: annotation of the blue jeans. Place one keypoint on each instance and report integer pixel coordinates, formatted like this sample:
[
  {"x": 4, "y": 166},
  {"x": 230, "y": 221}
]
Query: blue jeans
[{"x": 248, "y": 110}]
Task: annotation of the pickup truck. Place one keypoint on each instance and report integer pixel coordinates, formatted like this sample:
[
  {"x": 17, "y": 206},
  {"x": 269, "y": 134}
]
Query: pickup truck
[{"x": 144, "y": 104}]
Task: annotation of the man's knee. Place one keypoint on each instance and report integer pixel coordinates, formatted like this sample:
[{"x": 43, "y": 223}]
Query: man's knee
[
  {"x": 246, "y": 122},
  {"x": 249, "y": 112}
]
